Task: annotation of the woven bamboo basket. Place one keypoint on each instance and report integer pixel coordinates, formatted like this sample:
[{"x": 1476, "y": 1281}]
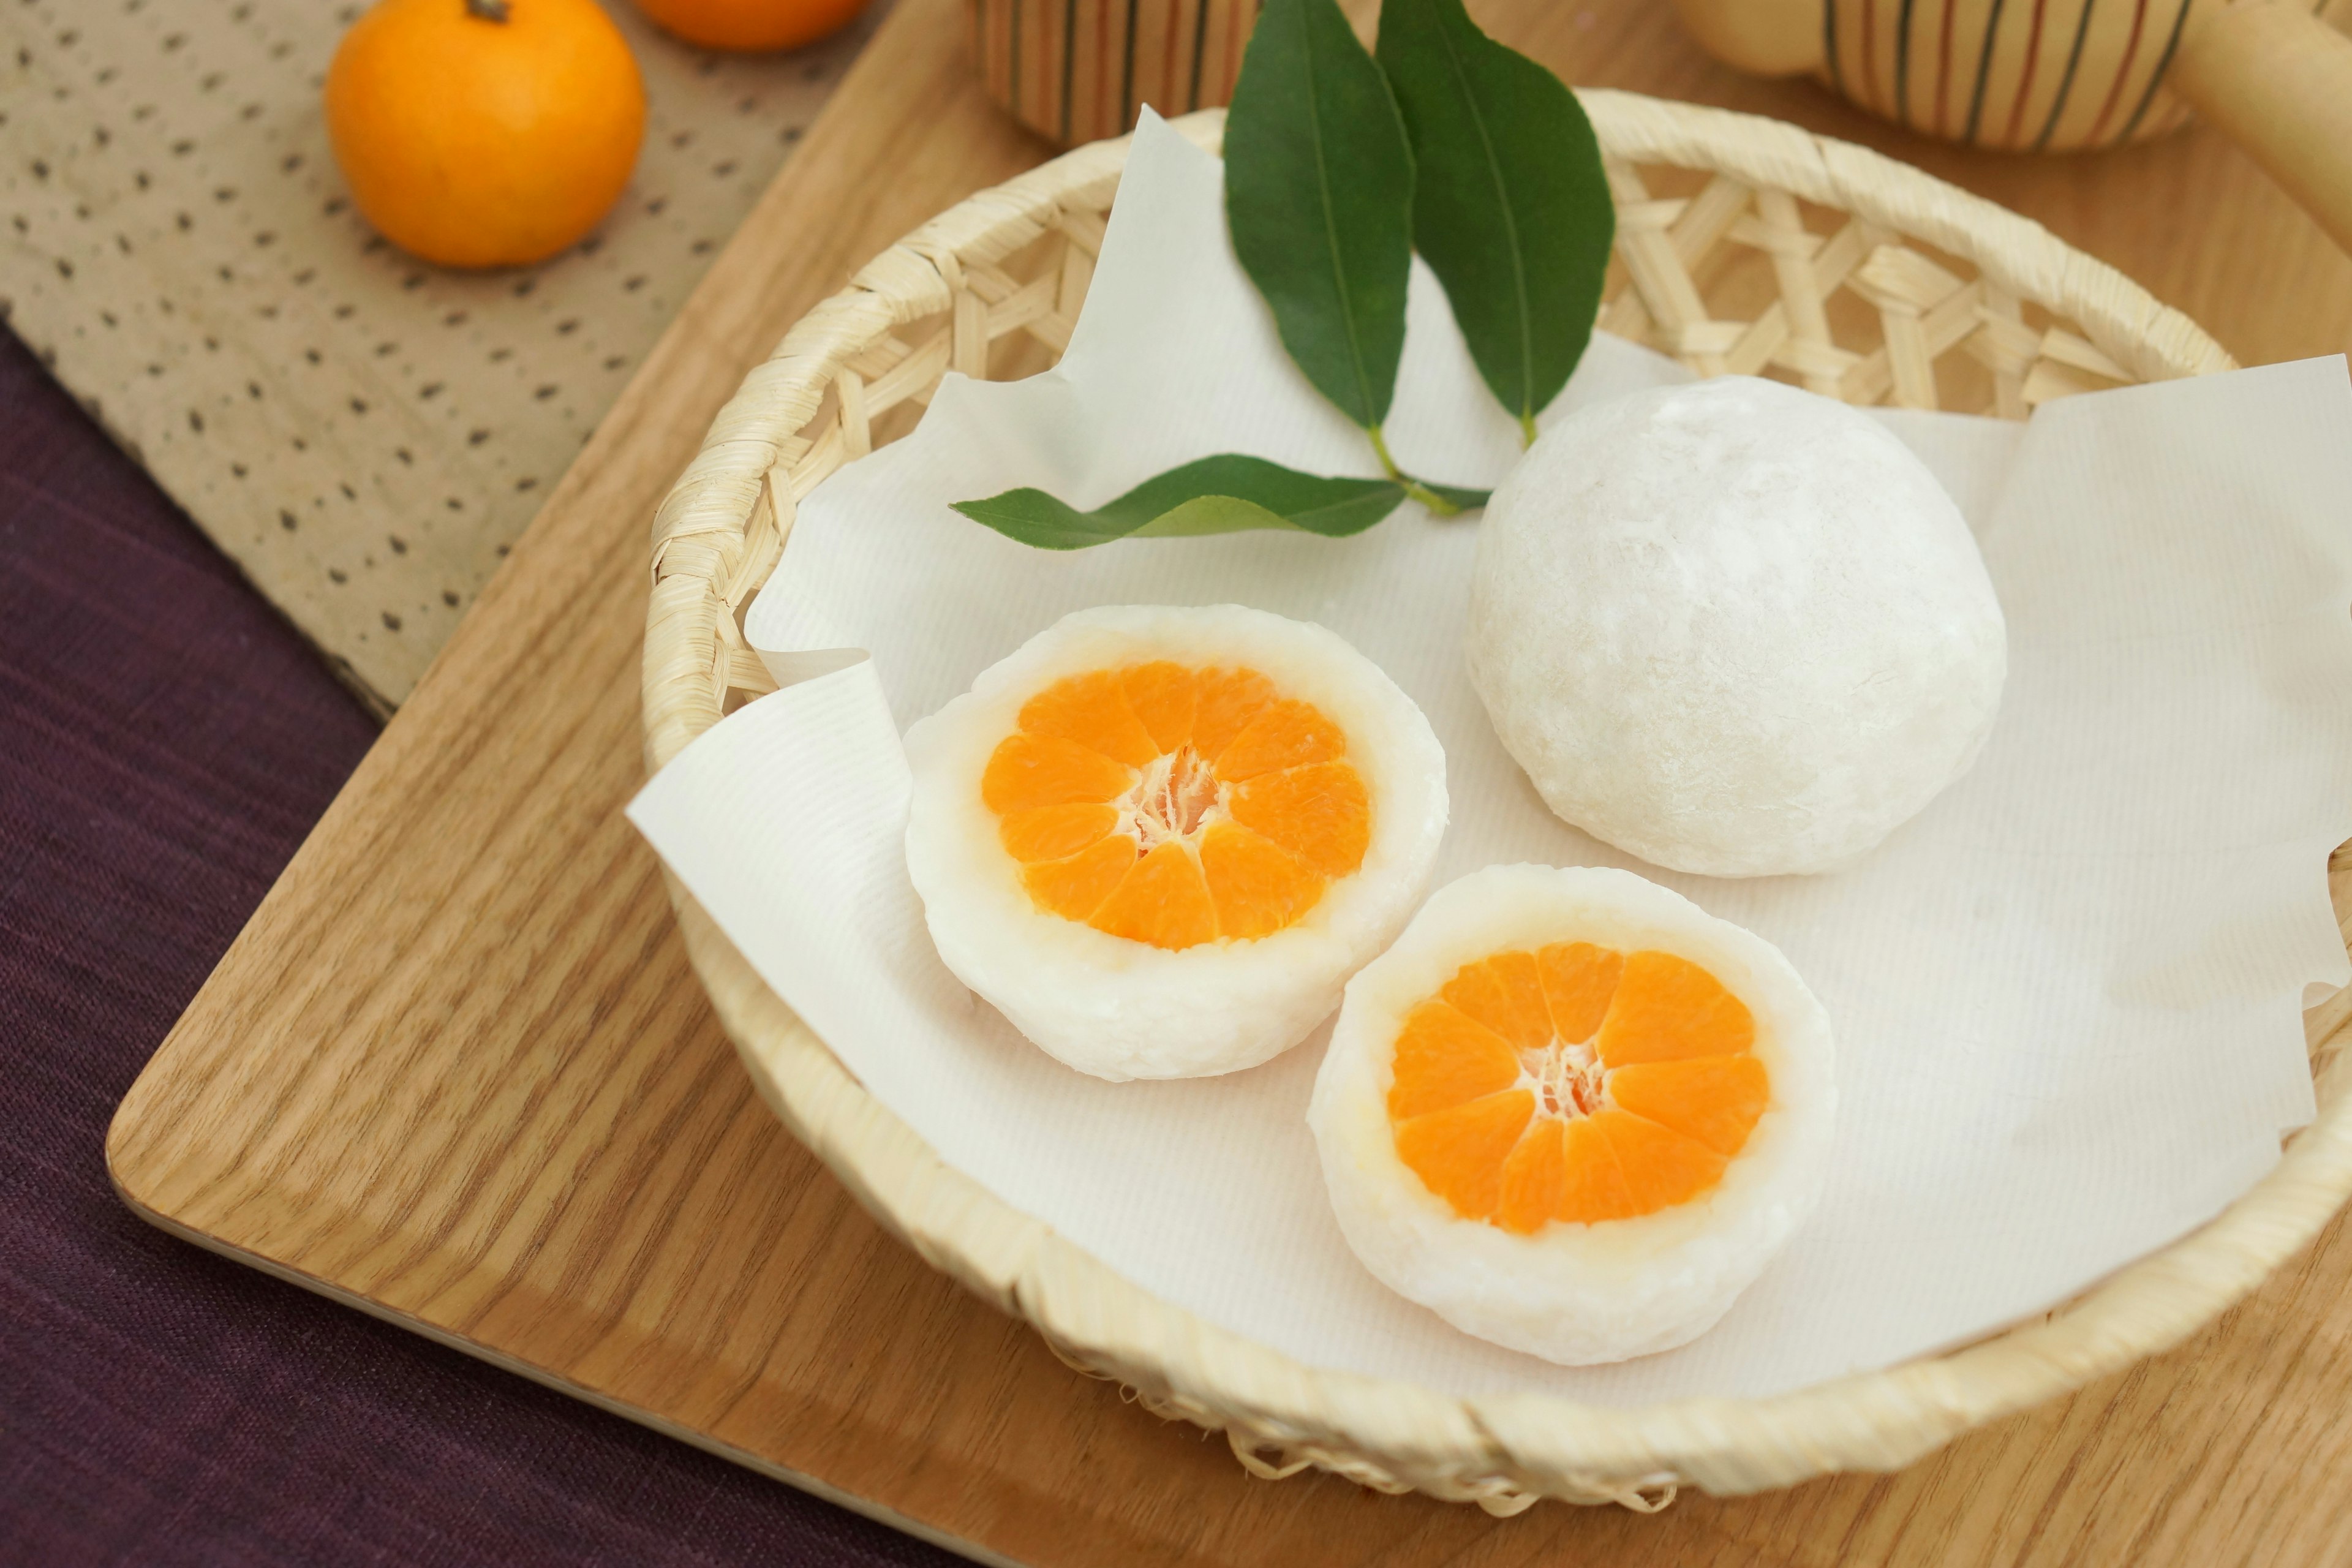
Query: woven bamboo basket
[{"x": 1745, "y": 245}]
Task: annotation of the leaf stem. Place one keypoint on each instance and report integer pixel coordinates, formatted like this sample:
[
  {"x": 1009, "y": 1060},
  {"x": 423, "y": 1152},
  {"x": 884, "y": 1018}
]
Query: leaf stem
[
  {"x": 1437, "y": 504},
  {"x": 1527, "y": 431}
]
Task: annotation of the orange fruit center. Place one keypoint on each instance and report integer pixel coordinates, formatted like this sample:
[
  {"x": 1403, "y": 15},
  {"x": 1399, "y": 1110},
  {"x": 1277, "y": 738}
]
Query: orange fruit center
[
  {"x": 1575, "y": 1083},
  {"x": 1175, "y": 805}
]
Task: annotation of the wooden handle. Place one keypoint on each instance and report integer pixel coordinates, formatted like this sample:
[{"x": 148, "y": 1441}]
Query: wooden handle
[{"x": 2278, "y": 81}]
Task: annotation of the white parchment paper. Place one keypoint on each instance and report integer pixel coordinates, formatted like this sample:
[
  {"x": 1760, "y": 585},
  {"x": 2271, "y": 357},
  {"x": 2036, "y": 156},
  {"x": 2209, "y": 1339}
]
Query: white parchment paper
[{"x": 2067, "y": 996}]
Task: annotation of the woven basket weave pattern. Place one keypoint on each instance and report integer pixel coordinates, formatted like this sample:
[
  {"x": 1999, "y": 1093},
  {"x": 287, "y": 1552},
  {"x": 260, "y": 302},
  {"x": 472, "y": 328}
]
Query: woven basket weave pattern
[{"x": 1788, "y": 255}]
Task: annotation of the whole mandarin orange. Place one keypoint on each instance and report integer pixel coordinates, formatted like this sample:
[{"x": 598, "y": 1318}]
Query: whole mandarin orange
[
  {"x": 485, "y": 133},
  {"x": 752, "y": 24}
]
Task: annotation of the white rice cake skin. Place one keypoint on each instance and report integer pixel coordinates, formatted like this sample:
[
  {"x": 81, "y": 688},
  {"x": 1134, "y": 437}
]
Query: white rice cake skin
[
  {"x": 1121, "y": 1009},
  {"x": 1734, "y": 628},
  {"x": 1576, "y": 1294}
]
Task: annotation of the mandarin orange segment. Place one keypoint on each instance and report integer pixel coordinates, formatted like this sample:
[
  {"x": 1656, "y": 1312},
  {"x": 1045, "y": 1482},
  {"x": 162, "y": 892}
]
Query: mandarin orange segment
[
  {"x": 1535, "y": 1175},
  {"x": 1579, "y": 979},
  {"x": 1028, "y": 772},
  {"x": 1505, "y": 996},
  {"x": 1714, "y": 1100},
  {"x": 1318, "y": 813},
  {"x": 1161, "y": 696},
  {"x": 1523, "y": 993},
  {"x": 1258, "y": 887},
  {"x": 1475, "y": 991},
  {"x": 1075, "y": 887},
  {"x": 1092, "y": 711},
  {"x": 1667, "y": 1008},
  {"x": 1443, "y": 1058},
  {"x": 1052, "y": 832},
  {"x": 1284, "y": 734},
  {"x": 1591, "y": 1189},
  {"x": 1226, "y": 701},
  {"x": 1661, "y": 1167},
  {"x": 1458, "y": 1153},
  {"x": 1163, "y": 901}
]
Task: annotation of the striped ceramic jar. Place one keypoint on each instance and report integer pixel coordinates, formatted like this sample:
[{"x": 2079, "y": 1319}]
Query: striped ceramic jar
[
  {"x": 2023, "y": 75},
  {"x": 1077, "y": 70}
]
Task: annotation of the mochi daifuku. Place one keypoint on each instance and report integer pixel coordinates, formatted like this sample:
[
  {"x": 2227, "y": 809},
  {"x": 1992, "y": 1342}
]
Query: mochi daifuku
[
  {"x": 1571, "y": 1112},
  {"x": 1160, "y": 839},
  {"x": 1733, "y": 628}
]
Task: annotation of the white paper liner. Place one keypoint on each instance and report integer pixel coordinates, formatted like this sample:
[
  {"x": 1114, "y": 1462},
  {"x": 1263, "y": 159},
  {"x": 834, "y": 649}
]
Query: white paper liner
[{"x": 2067, "y": 996}]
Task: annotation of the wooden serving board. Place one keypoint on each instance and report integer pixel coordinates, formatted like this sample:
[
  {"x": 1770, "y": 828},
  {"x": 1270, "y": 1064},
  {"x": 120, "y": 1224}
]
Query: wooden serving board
[{"x": 456, "y": 1072}]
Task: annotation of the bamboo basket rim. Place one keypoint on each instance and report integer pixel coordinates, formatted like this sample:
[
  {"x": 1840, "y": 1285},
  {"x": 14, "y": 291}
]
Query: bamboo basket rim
[{"x": 1502, "y": 1451}]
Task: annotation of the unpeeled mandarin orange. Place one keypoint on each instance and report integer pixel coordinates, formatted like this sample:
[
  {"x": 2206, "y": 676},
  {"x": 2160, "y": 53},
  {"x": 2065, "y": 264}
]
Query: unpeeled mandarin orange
[
  {"x": 485, "y": 133},
  {"x": 751, "y": 24}
]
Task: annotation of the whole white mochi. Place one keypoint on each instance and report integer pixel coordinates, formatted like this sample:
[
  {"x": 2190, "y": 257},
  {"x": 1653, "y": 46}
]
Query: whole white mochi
[{"x": 1734, "y": 628}]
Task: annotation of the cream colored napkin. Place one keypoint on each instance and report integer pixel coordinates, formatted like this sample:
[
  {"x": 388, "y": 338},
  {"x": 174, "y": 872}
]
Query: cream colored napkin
[
  {"x": 365, "y": 434},
  {"x": 2067, "y": 996}
]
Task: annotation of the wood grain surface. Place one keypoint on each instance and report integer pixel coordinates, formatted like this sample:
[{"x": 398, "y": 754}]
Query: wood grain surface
[{"x": 457, "y": 1073}]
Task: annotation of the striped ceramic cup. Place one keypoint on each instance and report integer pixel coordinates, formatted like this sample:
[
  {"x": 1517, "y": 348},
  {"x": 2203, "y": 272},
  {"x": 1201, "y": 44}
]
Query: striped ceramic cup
[
  {"x": 2042, "y": 76},
  {"x": 1077, "y": 70}
]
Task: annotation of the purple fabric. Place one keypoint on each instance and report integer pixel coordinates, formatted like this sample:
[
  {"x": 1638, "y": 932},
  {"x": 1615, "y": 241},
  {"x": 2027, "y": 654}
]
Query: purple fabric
[{"x": 165, "y": 741}]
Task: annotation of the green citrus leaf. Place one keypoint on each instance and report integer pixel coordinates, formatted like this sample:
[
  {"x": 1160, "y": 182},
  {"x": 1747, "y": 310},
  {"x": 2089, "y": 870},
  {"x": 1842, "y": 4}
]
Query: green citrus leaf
[
  {"x": 1211, "y": 495},
  {"x": 1511, "y": 209},
  {"x": 1210, "y": 514},
  {"x": 1318, "y": 191},
  {"x": 1455, "y": 496}
]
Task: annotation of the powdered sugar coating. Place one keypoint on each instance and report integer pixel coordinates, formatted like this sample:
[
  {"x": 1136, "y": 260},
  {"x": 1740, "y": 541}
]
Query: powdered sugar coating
[
  {"x": 1576, "y": 1294},
  {"x": 1734, "y": 628},
  {"x": 1120, "y": 1009}
]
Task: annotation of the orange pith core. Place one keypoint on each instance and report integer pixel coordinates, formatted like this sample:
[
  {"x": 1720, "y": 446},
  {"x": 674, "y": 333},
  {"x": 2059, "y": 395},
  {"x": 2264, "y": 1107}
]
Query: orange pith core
[
  {"x": 1174, "y": 806},
  {"x": 1575, "y": 1083}
]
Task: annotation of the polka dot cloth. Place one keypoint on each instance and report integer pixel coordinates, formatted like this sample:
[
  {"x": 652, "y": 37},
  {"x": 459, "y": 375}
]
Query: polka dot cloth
[{"x": 364, "y": 434}]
